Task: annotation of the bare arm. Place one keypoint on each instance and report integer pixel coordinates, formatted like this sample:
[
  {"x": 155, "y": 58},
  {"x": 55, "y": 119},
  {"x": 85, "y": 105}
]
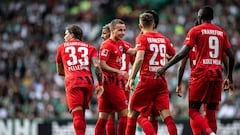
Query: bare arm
[
  {"x": 131, "y": 51},
  {"x": 136, "y": 66},
  {"x": 225, "y": 63},
  {"x": 105, "y": 67},
  {"x": 180, "y": 55},
  {"x": 228, "y": 83},
  {"x": 98, "y": 71},
  {"x": 60, "y": 69},
  {"x": 180, "y": 73}
]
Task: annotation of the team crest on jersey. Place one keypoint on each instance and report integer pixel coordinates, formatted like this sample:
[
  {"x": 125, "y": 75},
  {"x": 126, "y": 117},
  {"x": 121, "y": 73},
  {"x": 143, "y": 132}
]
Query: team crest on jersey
[
  {"x": 121, "y": 48},
  {"x": 104, "y": 52}
]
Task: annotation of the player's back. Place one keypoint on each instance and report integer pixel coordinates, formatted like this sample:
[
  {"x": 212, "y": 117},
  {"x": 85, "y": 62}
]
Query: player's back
[
  {"x": 210, "y": 44},
  {"x": 211, "y": 41},
  {"x": 76, "y": 57},
  {"x": 156, "y": 47}
]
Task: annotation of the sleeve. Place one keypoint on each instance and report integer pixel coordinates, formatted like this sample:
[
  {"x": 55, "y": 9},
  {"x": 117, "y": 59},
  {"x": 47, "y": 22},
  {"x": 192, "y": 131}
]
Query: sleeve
[
  {"x": 126, "y": 46},
  {"x": 94, "y": 52},
  {"x": 105, "y": 52},
  {"x": 58, "y": 55},
  {"x": 140, "y": 45},
  {"x": 190, "y": 38},
  {"x": 170, "y": 49}
]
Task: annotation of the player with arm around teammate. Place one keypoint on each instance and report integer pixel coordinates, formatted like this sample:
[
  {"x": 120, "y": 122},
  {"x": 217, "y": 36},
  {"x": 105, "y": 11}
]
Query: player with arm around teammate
[
  {"x": 113, "y": 98},
  {"x": 211, "y": 43},
  {"x": 152, "y": 48}
]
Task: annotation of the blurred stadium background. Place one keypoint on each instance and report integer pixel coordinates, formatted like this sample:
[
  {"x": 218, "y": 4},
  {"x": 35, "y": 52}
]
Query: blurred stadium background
[{"x": 32, "y": 96}]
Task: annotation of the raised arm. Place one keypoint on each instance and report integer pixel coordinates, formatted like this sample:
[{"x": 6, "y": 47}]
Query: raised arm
[{"x": 181, "y": 54}]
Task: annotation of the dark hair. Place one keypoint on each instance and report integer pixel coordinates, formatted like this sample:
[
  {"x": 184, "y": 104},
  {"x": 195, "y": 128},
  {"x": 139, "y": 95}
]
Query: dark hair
[
  {"x": 114, "y": 22},
  {"x": 155, "y": 17},
  {"x": 106, "y": 26},
  {"x": 146, "y": 19},
  {"x": 205, "y": 13},
  {"x": 75, "y": 30}
]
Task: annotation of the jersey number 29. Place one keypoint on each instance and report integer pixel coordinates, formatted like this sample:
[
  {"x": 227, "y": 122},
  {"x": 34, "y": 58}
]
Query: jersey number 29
[{"x": 158, "y": 49}]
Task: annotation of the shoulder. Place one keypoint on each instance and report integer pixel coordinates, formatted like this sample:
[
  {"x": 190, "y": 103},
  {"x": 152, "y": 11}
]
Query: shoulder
[
  {"x": 141, "y": 37},
  {"x": 60, "y": 46},
  {"x": 127, "y": 44}
]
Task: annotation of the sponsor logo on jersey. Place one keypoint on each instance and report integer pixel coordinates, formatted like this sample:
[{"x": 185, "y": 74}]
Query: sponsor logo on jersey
[{"x": 104, "y": 52}]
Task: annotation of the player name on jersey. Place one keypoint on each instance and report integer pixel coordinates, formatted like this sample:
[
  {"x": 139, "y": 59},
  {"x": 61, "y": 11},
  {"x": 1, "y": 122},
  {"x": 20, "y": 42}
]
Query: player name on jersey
[
  {"x": 156, "y": 40},
  {"x": 212, "y": 61},
  {"x": 212, "y": 32},
  {"x": 78, "y": 67}
]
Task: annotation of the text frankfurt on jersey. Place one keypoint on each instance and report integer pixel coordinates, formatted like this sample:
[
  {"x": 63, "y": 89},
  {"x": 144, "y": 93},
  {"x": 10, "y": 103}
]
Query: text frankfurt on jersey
[
  {"x": 212, "y": 32},
  {"x": 212, "y": 61},
  {"x": 78, "y": 67},
  {"x": 156, "y": 40},
  {"x": 75, "y": 44}
]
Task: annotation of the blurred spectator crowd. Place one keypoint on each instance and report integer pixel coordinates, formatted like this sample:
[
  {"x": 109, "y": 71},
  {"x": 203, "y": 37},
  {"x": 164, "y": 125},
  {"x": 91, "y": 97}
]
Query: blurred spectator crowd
[{"x": 30, "y": 32}]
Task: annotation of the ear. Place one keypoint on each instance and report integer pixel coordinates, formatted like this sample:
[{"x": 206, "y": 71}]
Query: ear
[{"x": 140, "y": 26}]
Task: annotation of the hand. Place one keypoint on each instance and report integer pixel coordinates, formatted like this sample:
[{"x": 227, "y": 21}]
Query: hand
[
  {"x": 129, "y": 85},
  {"x": 124, "y": 74},
  {"x": 159, "y": 72},
  {"x": 99, "y": 91},
  {"x": 179, "y": 90},
  {"x": 228, "y": 86}
]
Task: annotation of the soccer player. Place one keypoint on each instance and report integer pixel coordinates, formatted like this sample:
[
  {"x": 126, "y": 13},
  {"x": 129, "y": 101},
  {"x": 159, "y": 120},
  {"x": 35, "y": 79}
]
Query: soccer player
[
  {"x": 152, "y": 114},
  {"x": 126, "y": 60},
  {"x": 110, "y": 126},
  {"x": 113, "y": 98},
  {"x": 74, "y": 60},
  {"x": 152, "y": 48},
  {"x": 210, "y": 42}
]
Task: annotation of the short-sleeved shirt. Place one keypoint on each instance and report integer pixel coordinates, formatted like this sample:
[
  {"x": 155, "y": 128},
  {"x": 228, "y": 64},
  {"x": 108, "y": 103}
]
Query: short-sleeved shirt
[
  {"x": 76, "y": 57},
  {"x": 156, "y": 46},
  {"x": 152, "y": 90},
  {"x": 111, "y": 52},
  {"x": 210, "y": 42},
  {"x": 113, "y": 98},
  {"x": 192, "y": 58},
  {"x": 126, "y": 59}
]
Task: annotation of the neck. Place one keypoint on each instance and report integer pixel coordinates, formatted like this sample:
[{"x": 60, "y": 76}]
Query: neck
[
  {"x": 148, "y": 30},
  {"x": 114, "y": 39}
]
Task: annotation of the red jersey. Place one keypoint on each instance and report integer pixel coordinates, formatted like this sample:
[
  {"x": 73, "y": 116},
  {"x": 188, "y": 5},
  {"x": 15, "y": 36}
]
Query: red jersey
[
  {"x": 156, "y": 46},
  {"x": 126, "y": 59},
  {"x": 111, "y": 52},
  {"x": 192, "y": 57},
  {"x": 76, "y": 57},
  {"x": 210, "y": 42}
]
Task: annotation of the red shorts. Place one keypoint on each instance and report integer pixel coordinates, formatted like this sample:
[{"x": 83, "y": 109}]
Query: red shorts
[
  {"x": 79, "y": 96},
  {"x": 205, "y": 85},
  {"x": 151, "y": 111},
  {"x": 205, "y": 91},
  {"x": 123, "y": 82},
  {"x": 150, "y": 91},
  {"x": 113, "y": 98}
]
